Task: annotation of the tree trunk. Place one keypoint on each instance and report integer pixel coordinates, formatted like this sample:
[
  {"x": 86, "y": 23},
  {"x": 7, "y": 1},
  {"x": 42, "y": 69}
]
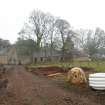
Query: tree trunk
[
  {"x": 51, "y": 49},
  {"x": 38, "y": 43}
]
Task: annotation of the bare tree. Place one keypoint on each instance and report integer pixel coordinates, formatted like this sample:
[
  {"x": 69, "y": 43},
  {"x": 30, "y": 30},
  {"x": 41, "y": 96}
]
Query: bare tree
[
  {"x": 52, "y": 34},
  {"x": 64, "y": 29},
  {"x": 37, "y": 26},
  {"x": 91, "y": 41}
]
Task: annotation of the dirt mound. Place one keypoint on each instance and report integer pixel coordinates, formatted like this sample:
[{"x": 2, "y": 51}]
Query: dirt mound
[
  {"x": 51, "y": 70},
  {"x": 47, "y": 70}
]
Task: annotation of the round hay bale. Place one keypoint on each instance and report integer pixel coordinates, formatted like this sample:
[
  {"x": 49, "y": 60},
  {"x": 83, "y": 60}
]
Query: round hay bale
[{"x": 76, "y": 76}]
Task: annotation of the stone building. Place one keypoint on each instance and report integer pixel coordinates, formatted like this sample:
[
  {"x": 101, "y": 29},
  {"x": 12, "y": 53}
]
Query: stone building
[
  {"x": 46, "y": 56},
  {"x": 8, "y": 56}
]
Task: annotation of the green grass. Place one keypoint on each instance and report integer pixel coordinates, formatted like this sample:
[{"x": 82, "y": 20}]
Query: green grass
[{"x": 99, "y": 66}]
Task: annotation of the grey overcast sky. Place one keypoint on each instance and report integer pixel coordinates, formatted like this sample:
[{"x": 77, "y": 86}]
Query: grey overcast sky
[{"x": 80, "y": 14}]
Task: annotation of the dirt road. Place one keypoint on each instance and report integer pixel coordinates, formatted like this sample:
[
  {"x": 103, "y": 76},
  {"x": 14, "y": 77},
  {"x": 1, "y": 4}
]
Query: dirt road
[{"x": 25, "y": 88}]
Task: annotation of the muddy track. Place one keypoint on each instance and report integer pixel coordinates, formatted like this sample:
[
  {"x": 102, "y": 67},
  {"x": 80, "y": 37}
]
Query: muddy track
[{"x": 25, "y": 88}]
